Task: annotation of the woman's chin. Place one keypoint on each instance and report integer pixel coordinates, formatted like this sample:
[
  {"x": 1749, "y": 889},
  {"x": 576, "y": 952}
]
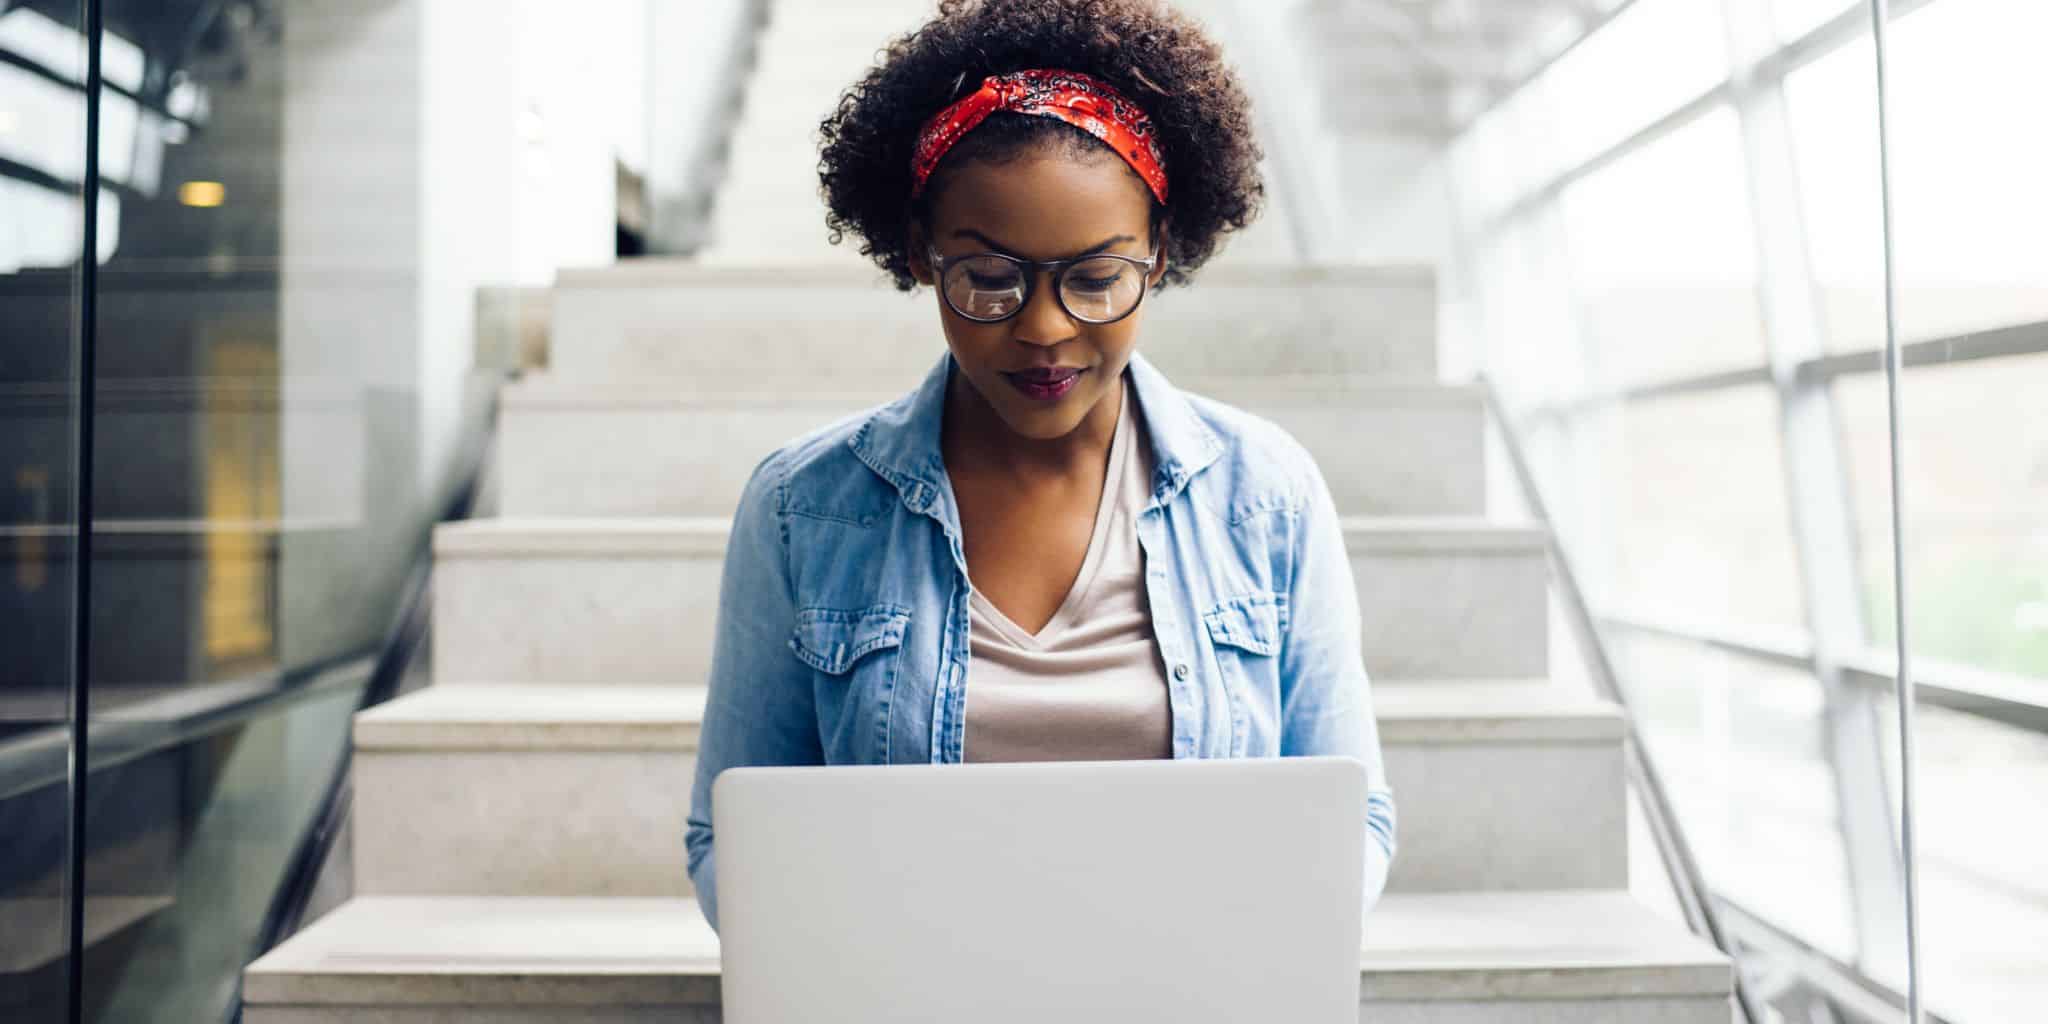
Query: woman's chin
[{"x": 1038, "y": 423}]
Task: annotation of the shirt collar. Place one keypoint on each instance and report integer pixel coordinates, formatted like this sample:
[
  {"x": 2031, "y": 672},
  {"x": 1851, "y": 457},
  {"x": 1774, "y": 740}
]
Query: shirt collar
[{"x": 900, "y": 441}]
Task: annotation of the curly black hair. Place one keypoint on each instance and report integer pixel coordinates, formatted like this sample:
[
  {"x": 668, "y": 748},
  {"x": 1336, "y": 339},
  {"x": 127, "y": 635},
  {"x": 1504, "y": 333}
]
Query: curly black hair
[{"x": 1159, "y": 57}]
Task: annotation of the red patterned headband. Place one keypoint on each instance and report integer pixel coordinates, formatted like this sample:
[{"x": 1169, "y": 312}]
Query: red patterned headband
[{"x": 1086, "y": 102}]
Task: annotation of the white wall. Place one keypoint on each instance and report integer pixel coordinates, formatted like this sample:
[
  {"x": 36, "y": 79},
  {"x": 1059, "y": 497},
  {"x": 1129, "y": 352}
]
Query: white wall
[
  {"x": 689, "y": 61},
  {"x": 432, "y": 147}
]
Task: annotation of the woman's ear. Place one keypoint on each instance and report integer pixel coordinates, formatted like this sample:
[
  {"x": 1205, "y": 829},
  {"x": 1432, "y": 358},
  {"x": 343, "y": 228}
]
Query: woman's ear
[
  {"x": 920, "y": 266},
  {"x": 1161, "y": 239}
]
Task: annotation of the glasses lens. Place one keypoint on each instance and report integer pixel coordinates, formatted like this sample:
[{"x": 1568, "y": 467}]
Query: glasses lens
[
  {"x": 984, "y": 287},
  {"x": 1103, "y": 288}
]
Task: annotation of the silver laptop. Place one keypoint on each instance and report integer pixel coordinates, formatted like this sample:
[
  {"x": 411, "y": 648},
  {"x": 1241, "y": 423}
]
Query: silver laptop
[{"x": 1078, "y": 892}]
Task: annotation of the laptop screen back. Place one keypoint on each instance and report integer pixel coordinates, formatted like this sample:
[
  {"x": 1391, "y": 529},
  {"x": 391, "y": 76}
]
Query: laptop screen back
[{"x": 1223, "y": 890}]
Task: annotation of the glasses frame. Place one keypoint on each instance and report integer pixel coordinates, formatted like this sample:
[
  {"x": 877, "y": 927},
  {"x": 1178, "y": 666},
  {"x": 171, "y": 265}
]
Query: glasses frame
[{"x": 1059, "y": 268}]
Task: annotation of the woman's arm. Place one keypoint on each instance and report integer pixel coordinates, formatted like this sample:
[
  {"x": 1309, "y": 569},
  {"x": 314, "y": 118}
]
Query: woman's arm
[
  {"x": 758, "y": 710},
  {"x": 1325, "y": 696}
]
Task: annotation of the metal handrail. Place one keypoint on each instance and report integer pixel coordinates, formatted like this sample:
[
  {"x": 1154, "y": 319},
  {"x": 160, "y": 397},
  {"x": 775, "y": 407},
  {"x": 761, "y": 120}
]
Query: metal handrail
[
  {"x": 2029, "y": 339},
  {"x": 2002, "y": 697},
  {"x": 1687, "y": 883},
  {"x": 40, "y": 758}
]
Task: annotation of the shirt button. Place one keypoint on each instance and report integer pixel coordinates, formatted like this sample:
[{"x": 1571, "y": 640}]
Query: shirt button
[{"x": 1180, "y": 671}]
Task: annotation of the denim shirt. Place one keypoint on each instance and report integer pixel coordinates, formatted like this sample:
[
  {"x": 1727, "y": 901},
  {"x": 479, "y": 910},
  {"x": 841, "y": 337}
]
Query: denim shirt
[{"x": 843, "y": 609}]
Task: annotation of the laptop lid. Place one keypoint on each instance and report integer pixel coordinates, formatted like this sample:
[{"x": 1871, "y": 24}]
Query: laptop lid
[{"x": 1081, "y": 892}]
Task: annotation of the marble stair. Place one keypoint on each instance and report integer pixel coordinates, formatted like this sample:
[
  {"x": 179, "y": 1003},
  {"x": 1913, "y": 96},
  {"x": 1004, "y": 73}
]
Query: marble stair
[{"x": 519, "y": 823}]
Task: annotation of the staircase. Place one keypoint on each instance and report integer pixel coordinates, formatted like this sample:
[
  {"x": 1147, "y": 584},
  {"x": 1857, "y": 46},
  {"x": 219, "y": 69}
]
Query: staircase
[{"x": 519, "y": 824}]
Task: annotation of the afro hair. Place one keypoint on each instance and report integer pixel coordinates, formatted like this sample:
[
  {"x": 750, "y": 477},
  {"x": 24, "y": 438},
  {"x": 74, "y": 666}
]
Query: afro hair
[{"x": 1157, "y": 56}]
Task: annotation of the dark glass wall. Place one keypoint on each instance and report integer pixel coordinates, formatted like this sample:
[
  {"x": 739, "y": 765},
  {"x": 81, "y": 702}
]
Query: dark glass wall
[{"x": 260, "y": 483}]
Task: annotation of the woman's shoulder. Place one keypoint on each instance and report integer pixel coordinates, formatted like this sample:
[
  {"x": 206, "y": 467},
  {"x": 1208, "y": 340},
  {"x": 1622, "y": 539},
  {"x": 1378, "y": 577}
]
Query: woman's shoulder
[
  {"x": 818, "y": 471},
  {"x": 1260, "y": 460}
]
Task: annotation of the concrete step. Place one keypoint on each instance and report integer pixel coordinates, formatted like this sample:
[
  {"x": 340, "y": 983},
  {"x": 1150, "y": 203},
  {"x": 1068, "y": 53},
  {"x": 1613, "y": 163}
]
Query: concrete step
[
  {"x": 526, "y": 791},
  {"x": 1428, "y": 958},
  {"x": 582, "y": 791},
  {"x": 740, "y": 327},
  {"x": 635, "y": 600},
  {"x": 1503, "y": 785},
  {"x": 570, "y": 449},
  {"x": 1448, "y": 598}
]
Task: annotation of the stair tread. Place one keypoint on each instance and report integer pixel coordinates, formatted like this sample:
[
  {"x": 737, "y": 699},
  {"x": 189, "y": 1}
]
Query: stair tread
[
  {"x": 1555, "y": 944},
  {"x": 681, "y": 534},
  {"x": 547, "y": 391},
  {"x": 529, "y": 716},
  {"x": 1441, "y": 533},
  {"x": 539, "y": 716},
  {"x": 1432, "y": 710},
  {"x": 431, "y": 949},
  {"x": 439, "y": 950},
  {"x": 657, "y": 272}
]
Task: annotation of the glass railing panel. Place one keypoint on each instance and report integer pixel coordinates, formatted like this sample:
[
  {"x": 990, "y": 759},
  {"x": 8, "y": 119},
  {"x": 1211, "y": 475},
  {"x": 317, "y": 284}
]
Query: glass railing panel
[{"x": 1743, "y": 751}]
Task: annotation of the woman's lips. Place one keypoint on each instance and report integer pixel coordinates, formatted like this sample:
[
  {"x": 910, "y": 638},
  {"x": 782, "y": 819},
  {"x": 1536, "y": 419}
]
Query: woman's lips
[{"x": 1045, "y": 383}]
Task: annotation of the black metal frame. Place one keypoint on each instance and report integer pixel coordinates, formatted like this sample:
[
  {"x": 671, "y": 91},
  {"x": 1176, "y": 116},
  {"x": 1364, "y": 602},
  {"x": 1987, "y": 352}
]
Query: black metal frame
[
  {"x": 81, "y": 564},
  {"x": 941, "y": 263}
]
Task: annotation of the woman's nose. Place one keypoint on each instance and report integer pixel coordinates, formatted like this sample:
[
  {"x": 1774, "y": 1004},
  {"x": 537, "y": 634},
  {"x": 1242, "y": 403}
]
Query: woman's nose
[{"x": 1043, "y": 321}]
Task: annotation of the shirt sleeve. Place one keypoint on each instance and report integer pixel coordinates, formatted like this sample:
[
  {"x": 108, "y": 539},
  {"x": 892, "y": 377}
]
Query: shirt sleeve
[
  {"x": 1326, "y": 697},
  {"x": 758, "y": 708}
]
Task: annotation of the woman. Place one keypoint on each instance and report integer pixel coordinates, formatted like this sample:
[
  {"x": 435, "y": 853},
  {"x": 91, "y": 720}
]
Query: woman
[{"x": 1045, "y": 551}]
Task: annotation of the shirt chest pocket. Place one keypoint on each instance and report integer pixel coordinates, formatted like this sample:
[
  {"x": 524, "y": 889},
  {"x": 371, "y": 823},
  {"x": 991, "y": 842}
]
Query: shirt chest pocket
[
  {"x": 1245, "y": 633},
  {"x": 850, "y": 641},
  {"x": 858, "y": 653},
  {"x": 1250, "y": 624}
]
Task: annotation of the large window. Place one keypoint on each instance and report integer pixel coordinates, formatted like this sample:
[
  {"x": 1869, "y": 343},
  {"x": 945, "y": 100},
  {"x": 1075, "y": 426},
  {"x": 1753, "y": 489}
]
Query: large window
[
  {"x": 1693, "y": 486},
  {"x": 1663, "y": 257},
  {"x": 1678, "y": 272},
  {"x": 1976, "y": 440}
]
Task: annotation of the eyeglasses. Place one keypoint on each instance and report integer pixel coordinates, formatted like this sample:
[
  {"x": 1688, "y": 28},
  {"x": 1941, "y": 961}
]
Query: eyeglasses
[{"x": 989, "y": 287}]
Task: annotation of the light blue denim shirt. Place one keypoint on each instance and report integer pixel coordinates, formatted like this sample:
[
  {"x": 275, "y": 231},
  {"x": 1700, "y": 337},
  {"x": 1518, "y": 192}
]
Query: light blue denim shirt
[{"x": 842, "y": 615}]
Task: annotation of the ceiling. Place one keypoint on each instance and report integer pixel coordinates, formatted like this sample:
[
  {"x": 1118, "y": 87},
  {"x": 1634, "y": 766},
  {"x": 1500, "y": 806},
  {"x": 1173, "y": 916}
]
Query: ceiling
[{"x": 1428, "y": 67}]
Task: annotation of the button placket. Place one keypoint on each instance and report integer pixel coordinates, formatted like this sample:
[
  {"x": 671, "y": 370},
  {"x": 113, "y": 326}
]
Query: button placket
[{"x": 1178, "y": 698}]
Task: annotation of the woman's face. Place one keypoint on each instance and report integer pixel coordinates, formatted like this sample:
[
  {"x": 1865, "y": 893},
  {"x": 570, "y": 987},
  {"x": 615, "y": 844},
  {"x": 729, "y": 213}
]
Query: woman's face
[{"x": 1040, "y": 207}]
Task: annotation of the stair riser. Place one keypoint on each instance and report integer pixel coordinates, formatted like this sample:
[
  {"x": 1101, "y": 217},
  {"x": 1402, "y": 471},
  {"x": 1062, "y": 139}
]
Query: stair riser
[
  {"x": 546, "y": 619},
  {"x": 1455, "y": 616},
  {"x": 611, "y": 823},
  {"x": 522, "y": 822},
  {"x": 869, "y": 334},
  {"x": 1519, "y": 816},
  {"x": 638, "y": 459},
  {"x": 650, "y": 619}
]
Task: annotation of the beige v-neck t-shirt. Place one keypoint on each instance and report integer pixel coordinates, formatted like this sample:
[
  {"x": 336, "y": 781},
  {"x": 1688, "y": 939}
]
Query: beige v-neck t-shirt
[{"x": 1091, "y": 685}]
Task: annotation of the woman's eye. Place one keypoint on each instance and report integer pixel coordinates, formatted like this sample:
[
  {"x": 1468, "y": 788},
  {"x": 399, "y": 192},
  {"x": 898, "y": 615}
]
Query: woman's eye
[
  {"x": 991, "y": 282},
  {"x": 1092, "y": 284}
]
